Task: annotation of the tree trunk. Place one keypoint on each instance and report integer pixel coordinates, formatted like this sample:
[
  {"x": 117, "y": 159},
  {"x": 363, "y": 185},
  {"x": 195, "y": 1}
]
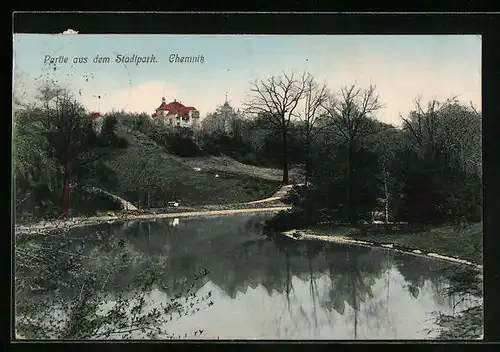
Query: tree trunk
[
  {"x": 148, "y": 200},
  {"x": 288, "y": 278},
  {"x": 66, "y": 190},
  {"x": 350, "y": 205},
  {"x": 355, "y": 312},
  {"x": 313, "y": 294},
  {"x": 285, "y": 180},
  {"x": 306, "y": 180},
  {"x": 354, "y": 301},
  {"x": 386, "y": 194}
]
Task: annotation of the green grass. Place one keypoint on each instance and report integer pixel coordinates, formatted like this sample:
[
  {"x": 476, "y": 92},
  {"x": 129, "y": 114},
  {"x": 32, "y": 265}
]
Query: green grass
[
  {"x": 464, "y": 242},
  {"x": 145, "y": 163}
]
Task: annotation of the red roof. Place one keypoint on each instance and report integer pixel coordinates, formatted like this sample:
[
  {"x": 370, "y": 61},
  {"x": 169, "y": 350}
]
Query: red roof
[
  {"x": 95, "y": 115},
  {"x": 176, "y": 108}
]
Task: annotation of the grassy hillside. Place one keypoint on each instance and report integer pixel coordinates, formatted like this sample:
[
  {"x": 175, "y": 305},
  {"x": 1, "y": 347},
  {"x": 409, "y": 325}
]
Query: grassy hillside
[{"x": 144, "y": 166}]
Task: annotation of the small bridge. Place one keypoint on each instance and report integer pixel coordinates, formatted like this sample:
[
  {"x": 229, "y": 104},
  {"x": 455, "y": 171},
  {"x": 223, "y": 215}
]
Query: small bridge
[{"x": 126, "y": 205}]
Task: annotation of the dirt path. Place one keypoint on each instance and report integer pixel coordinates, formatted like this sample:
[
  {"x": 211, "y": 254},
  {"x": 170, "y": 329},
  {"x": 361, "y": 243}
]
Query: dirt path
[
  {"x": 93, "y": 220},
  {"x": 79, "y": 222},
  {"x": 275, "y": 197}
]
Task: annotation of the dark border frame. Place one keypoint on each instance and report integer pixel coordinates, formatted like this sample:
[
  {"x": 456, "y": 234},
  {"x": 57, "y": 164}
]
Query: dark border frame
[{"x": 486, "y": 25}]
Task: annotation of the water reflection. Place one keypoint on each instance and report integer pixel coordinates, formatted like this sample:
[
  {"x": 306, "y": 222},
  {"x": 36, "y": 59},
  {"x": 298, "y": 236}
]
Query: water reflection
[{"x": 267, "y": 290}]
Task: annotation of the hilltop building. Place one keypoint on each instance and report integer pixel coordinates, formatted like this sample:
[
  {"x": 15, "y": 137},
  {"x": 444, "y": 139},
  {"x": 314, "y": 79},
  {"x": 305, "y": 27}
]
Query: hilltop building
[
  {"x": 97, "y": 122},
  {"x": 223, "y": 121},
  {"x": 176, "y": 114}
]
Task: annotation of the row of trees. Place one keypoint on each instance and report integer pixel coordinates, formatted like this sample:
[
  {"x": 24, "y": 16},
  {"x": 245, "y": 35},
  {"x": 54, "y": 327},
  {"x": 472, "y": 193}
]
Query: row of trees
[{"x": 427, "y": 170}]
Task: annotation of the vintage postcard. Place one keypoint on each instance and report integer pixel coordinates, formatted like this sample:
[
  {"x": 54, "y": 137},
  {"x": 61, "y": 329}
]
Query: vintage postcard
[{"x": 312, "y": 187}]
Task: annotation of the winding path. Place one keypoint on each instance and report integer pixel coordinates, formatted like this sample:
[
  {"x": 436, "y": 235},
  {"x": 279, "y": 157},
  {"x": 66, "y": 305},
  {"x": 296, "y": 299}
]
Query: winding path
[
  {"x": 282, "y": 192},
  {"x": 125, "y": 204},
  {"x": 92, "y": 220}
]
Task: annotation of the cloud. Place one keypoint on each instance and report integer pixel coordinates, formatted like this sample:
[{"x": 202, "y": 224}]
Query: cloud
[{"x": 145, "y": 97}]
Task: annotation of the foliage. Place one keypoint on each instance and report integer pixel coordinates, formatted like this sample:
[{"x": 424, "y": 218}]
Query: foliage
[
  {"x": 37, "y": 177},
  {"x": 353, "y": 181},
  {"x": 143, "y": 173},
  {"x": 434, "y": 191},
  {"x": 468, "y": 324},
  {"x": 184, "y": 146},
  {"x": 176, "y": 140},
  {"x": 441, "y": 182},
  {"x": 286, "y": 220},
  {"x": 419, "y": 173},
  {"x": 55, "y": 148},
  {"x": 225, "y": 120},
  {"x": 66, "y": 289}
]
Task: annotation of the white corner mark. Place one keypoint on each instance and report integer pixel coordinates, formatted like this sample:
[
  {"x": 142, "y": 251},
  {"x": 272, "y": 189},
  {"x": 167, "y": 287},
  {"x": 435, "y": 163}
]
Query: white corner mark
[{"x": 70, "y": 31}]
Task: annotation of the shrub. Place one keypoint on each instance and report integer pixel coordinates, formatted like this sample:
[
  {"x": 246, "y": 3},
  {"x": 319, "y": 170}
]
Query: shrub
[
  {"x": 249, "y": 158},
  {"x": 286, "y": 220},
  {"x": 184, "y": 146}
]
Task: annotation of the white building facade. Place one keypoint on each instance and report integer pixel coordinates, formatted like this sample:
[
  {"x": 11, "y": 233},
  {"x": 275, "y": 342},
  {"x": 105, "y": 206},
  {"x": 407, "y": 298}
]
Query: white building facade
[{"x": 175, "y": 114}]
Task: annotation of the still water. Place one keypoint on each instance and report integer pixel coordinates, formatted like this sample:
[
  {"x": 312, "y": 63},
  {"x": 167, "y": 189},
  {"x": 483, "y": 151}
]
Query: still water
[{"x": 261, "y": 289}]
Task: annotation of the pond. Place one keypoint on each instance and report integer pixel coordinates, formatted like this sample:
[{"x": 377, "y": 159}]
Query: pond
[{"x": 257, "y": 288}]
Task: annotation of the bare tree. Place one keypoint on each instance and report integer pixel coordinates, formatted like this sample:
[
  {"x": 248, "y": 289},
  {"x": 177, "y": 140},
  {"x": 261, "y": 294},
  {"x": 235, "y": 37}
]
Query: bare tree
[
  {"x": 448, "y": 128},
  {"x": 65, "y": 122},
  {"x": 350, "y": 115},
  {"x": 351, "y": 120},
  {"x": 421, "y": 124},
  {"x": 387, "y": 142},
  {"x": 313, "y": 118},
  {"x": 277, "y": 99}
]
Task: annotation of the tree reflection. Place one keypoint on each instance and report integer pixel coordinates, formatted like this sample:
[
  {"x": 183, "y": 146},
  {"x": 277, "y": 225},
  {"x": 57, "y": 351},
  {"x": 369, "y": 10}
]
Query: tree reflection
[
  {"x": 417, "y": 271},
  {"x": 239, "y": 258}
]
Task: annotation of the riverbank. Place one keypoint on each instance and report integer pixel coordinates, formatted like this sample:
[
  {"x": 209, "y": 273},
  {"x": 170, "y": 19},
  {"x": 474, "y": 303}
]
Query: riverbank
[
  {"x": 461, "y": 244},
  {"x": 48, "y": 226},
  {"x": 270, "y": 204}
]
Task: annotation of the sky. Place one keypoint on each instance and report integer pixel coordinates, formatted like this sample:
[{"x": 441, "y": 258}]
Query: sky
[{"x": 402, "y": 67}]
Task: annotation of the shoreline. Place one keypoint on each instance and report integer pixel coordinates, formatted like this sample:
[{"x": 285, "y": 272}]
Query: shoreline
[
  {"x": 300, "y": 235},
  {"x": 94, "y": 220},
  {"x": 274, "y": 204}
]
